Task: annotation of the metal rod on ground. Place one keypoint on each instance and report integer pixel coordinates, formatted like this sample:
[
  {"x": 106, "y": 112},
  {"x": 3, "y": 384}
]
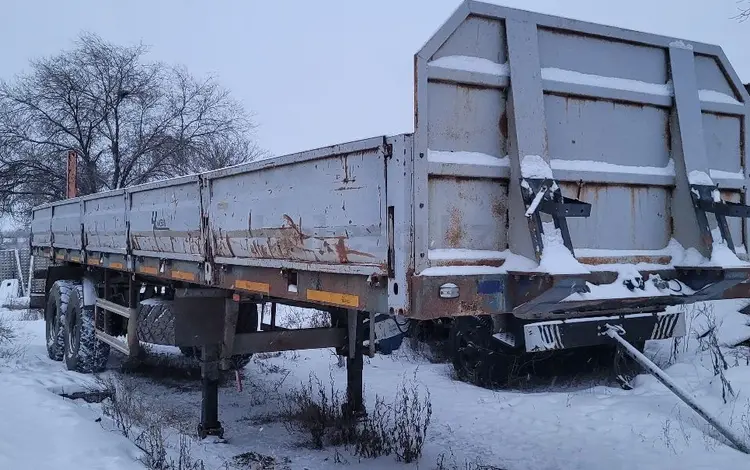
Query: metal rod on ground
[{"x": 615, "y": 333}]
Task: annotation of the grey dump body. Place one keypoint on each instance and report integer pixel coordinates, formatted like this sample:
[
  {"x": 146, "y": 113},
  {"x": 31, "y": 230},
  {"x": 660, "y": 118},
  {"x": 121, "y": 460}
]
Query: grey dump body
[{"x": 636, "y": 129}]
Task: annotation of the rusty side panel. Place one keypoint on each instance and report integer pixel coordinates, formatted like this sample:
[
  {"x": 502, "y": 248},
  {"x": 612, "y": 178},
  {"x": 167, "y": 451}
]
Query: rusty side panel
[
  {"x": 104, "y": 223},
  {"x": 166, "y": 220},
  {"x": 66, "y": 225},
  {"x": 41, "y": 234},
  {"x": 623, "y": 217},
  {"x": 468, "y": 213},
  {"x": 339, "y": 219}
]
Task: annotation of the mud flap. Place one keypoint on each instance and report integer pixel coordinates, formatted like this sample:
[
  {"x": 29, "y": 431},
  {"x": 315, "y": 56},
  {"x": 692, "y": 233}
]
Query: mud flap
[{"x": 389, "y": 332}]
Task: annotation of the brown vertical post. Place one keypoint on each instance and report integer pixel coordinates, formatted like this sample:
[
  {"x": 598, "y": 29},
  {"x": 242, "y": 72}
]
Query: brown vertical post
[{"x": 71, "y": 190}]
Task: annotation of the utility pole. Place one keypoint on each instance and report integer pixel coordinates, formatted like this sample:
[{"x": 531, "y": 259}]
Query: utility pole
[{"x": 71, "y": 190}]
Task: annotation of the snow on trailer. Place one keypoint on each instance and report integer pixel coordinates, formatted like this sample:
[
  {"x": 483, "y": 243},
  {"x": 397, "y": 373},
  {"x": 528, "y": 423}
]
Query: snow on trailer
[{"x": 562, "y": 178}]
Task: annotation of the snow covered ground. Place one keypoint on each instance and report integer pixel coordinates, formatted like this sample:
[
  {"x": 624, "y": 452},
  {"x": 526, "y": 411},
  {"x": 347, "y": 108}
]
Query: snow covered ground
[{"x": 566, "y": 422}]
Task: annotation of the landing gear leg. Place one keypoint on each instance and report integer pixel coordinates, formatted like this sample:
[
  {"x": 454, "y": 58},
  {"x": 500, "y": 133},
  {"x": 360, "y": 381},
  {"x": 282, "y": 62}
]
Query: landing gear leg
[
  {"x": 354, "y": 365},
  {"x": 210, "y": 425}
]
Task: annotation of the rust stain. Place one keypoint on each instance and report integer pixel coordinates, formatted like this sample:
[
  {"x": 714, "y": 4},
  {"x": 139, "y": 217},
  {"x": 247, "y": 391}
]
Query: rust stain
[
  {"x": 494, "y": 262},
  {"x": 296, "y": 228},
  {"x": 498, "y": 209},
  {"x": 633, "y": 216},
  {"x": 668, "y": 134},
  {"x": 290, "y": 241},
  {"x": 634, "y": 259},
  {"x": 504, "y": 125},
  {"x": 345, "y": 163},
  {"x": 455, "y": 231},
  {"x": 469, "y": 307},
  {"x": 343, "y": 252},
  {"x": 229, "y": 245}
]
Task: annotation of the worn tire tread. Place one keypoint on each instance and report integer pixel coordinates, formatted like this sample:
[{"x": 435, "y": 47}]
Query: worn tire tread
[
  {"x": 92, "y": 354},
  {"x": 59, "y": 294}
]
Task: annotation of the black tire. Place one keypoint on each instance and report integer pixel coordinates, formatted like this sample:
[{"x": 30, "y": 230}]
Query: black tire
[
  {"x": 247, "y": 322},
  {"x": 54, "y": 317},
  {"x": 476, "y": 356},
  {"x": 155, "y": 321},
  {"x": 84, "y": 353}
]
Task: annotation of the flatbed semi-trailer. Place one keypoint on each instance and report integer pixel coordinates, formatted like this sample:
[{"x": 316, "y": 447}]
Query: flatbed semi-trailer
[{"x": 562, "y": 176}]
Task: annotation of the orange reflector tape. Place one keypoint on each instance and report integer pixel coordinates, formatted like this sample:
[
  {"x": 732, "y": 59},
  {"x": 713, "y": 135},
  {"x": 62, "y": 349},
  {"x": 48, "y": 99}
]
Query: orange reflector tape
[
  {"x": 115, "y": 265},
  {"x": 59, "y": 257},
  {"x": 93, "y": 261},
  {"x": 252, "y": 286},
  {"x": 347, "y": 300},
  {"x": 184, "y": 276},
  {"x": 148, "y": 270},
  {"x": 75, "y": 259}
]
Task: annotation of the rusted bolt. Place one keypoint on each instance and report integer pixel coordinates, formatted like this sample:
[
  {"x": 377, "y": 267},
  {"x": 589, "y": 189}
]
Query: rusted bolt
[{"x": 374, "y": 280}]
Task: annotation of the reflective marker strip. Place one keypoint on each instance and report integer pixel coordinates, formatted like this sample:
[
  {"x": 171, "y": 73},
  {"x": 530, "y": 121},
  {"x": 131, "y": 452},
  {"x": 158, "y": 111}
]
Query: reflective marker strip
[
  {"x": 184, "y": 276},
  {"x": 252, "y": 286},
  {"x": 148, "y": 270},
  {"x": 75, "y": 259},
  {"x": 347, "y": 300},
  {"x": 115, "y": 265},
  {"x": 93, "y": 261}
]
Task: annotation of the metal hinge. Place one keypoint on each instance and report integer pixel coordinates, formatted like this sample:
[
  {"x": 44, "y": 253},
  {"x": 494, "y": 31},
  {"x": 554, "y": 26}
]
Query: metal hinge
[
  {"x": 544, "y": 195},
  {"x": 707, "y": 199}
]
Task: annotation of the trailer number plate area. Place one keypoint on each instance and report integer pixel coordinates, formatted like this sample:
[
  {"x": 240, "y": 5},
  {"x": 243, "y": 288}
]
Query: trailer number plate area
[
  {"x": 346, "y": 300},
  {"x": 577, "y": 332}
]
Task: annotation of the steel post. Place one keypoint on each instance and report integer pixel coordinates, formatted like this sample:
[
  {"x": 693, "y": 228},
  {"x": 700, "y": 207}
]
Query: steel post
[
  {"x": 354, "y": 364},
  {"x": 210, "y": 425},
  {"x": 134, "y": 344}
]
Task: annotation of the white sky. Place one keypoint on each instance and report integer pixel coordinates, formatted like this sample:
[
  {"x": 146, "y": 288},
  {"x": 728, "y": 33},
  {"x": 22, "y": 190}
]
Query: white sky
[{"x": 328, "y": 71}]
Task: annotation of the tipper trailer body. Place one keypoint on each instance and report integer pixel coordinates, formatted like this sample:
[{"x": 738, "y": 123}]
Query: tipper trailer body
[{"x": 562, "y": 176}]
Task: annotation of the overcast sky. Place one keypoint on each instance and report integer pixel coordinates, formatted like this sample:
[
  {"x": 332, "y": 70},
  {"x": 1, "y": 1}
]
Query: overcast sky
[{"x": 327, "y": 71}]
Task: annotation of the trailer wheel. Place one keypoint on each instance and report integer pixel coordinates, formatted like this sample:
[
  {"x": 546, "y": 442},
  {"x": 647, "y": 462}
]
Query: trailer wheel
[
  {"x": 54, "y": 317},
  {"x": 83, "y": 351},
  {"x": 477, "y": 357},
  {"x": 247, "y": 322}
]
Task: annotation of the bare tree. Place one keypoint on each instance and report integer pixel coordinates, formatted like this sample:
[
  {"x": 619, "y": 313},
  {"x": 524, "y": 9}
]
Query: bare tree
[
  {"x": 130, "y": 121},
  {"x": 744, "y": 10}
]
